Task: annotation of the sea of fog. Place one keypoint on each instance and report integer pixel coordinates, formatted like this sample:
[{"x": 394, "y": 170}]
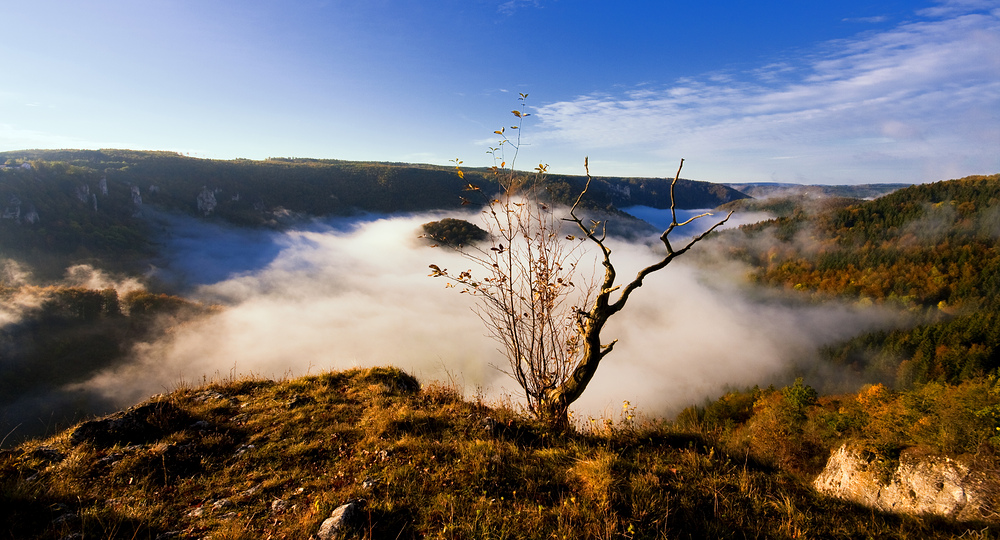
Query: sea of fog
[{"x": 341, "y": 293}]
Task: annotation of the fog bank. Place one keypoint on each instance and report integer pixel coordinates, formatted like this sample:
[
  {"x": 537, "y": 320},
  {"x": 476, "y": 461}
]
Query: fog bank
[{"x": 340, "y": 294}]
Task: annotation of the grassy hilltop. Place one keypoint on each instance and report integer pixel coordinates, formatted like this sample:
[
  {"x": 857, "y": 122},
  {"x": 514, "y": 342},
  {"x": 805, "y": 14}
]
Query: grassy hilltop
[{"x": 264, "y": 459}]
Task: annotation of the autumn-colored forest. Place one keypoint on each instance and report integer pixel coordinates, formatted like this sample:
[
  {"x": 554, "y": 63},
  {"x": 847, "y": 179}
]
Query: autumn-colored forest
[{"x": 929, "y": 250}]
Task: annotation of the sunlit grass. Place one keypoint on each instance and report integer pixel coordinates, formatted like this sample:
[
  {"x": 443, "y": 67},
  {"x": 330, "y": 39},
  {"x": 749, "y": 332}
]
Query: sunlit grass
[{"x": 265, "y": 459}]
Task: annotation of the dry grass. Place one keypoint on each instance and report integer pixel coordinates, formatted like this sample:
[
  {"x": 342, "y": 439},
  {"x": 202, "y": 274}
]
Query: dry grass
[{"x": 262, "y": 459}]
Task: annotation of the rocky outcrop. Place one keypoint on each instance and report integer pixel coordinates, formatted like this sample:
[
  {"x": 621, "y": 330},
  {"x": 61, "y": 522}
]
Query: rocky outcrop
[
  {"x": 13, "y": 210},
  {"x": 340, "y": 521},
  {"x": 139, "y": 425},
  {"x": 922, "y": 483},
  {"x": 30, "y": 214},
  {"x": 14, "y": 213},
  {"x": 206, "y": 201},
  {"x": 83, "y": 193}
]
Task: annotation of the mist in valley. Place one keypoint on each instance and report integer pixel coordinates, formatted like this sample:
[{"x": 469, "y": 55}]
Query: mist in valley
[
  {"x": 332, "y": 294},
  {"x": 341, "y": 293}
]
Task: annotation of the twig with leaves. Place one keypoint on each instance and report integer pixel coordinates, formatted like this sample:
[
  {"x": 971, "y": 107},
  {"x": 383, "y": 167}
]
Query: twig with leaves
[{"x": 529, "y": 300}]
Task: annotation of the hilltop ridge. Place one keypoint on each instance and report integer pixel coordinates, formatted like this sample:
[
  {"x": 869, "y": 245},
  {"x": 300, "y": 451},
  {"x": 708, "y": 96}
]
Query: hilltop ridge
[
  {"x": 254, "y": 458},
  {"x": 245, "y": 190},
  {"x": 63, "y": 207}
]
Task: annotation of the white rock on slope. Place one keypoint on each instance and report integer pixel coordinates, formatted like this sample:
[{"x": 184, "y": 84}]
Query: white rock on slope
[{"x": 923, "y": 483}]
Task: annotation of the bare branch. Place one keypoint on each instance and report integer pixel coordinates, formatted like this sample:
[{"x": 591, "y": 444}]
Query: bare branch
[{"x": 549, "y": 328}]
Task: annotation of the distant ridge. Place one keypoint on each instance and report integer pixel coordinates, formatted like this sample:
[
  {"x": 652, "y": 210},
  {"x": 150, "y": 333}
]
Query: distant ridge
[
  {"x": 62, "y": 207},
  {"x": 764, "y": 190},
  {"x": 243, "y": 187}
]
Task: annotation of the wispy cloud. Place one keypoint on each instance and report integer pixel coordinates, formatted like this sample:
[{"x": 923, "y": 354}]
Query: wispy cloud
[
  {"x": 872, "y": 20},
  {"x": 947, "y": 8},
  {"x": 511, "y": 6},
  {"x": 918, "y": 102}
]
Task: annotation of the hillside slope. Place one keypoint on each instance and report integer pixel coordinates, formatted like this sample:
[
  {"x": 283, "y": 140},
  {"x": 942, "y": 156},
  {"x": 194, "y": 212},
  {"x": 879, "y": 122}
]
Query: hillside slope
[
  {"x": 926, "y": 252},
  {"x": 244, "y": 190},
  {"x": 266, "y": 459},
  {"x": 62, "y": 207},
  {"x": 929, "y": 249}
]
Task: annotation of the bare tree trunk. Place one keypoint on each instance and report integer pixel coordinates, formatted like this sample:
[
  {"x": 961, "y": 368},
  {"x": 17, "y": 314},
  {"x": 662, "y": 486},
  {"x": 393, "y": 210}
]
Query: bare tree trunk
[
  {"x": 554, "y": 407},
  {"x": 527, "y": 293}
]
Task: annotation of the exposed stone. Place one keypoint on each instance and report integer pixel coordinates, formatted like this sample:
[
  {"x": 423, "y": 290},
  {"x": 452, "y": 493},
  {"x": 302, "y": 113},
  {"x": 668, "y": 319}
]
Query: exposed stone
[
  {"x": 339, "y": 521},
  {"x": 68, "y": 518},
  {"x": 921, "y": 484},
  {"x": 206, "y": 201},
  {"x": 297, "y": 401},
  {"x": 201, "y": 425},
  {"x": 244, "y": 449},
  {"x": 110, "y": 459},
  {"x": 138, "y": 425},
  {"x": 83, "y": 193},
  {"x": 492, "y": 427},
  {"x": 206, "y": 395},
  {"x": 48, "y": 453},
  {"x": 13, "y": 210},
  {"x": 252, "y": 491},
  {"x": 30, "y": 214},
  {"x": 136, "y": 201}
]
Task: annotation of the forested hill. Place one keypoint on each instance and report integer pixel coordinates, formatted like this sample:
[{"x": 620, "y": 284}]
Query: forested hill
[
  {"x": 245, "y": 190},
  {"x": 63, "y": 207},
  {"x": 931, "y": 249},
  {"x": 923, "y": 245},
  {"x": 761, "y": 190}
]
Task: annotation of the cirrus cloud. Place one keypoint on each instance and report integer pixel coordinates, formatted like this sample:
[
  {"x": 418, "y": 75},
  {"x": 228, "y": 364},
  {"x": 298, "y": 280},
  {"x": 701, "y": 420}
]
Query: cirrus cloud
[{"x": 919, "y": 102}]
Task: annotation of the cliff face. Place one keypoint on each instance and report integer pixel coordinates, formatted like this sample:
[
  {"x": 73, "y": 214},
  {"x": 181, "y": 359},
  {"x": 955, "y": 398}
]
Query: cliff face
[{"x": 921, "y": 484}]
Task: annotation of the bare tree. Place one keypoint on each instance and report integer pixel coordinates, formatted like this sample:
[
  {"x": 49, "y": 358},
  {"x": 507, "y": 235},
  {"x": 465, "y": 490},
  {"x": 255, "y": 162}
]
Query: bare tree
[
  {"x": 555, "y": 405},
  {"x": 526, "y": 284},
  {"x": 530, "y": 301}
]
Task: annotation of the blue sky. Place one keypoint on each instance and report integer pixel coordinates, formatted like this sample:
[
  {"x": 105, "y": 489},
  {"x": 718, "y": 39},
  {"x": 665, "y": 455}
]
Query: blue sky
[{"x": 788, "y": 91}]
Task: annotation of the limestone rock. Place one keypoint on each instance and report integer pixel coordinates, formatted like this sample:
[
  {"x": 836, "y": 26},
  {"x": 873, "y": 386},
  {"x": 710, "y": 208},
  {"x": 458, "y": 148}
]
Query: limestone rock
[
  {"x": 923, "y": 483},
  {"x": 206, "y": 201},
  {"x": 339, "y": 520},
  {"x": 13, "y": 210},
  {"x": 83, "y": 193},
  {"x": 136, "y": 201},
  {"x": 30, "y": 214}
]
